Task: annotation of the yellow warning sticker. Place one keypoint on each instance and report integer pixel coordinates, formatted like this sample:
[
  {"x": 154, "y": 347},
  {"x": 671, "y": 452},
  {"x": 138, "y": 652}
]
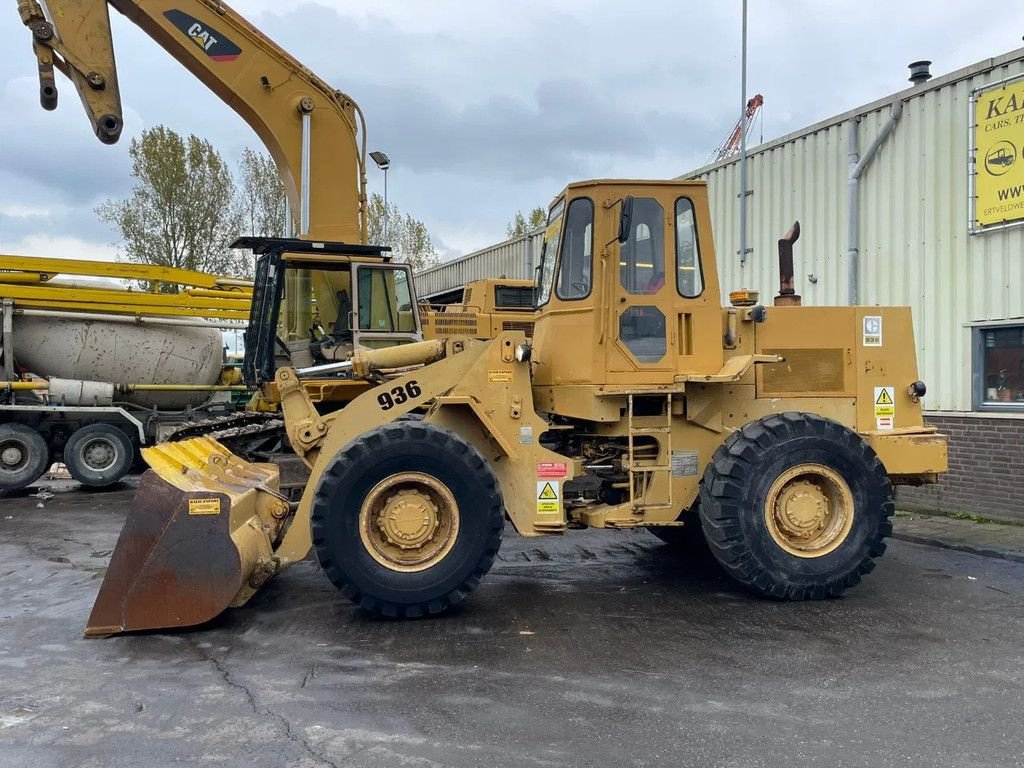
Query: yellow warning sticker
[
  {"x": 547, "y": 497},
  {"x": 885, "y": 407},
  {"x": 204, "y": 506},
  {"x": 499, "y": 377}
]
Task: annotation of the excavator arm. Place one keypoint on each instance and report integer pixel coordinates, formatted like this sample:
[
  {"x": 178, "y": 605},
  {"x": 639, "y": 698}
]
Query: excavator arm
[{"x": 315, "y": 134}]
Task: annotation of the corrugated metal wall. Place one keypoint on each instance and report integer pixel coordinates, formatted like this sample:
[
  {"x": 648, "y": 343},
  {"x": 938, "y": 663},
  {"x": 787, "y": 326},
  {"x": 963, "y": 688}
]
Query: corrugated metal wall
[
  {"x": 514, "y": 259},
  {"x": 914, "y": 244}
]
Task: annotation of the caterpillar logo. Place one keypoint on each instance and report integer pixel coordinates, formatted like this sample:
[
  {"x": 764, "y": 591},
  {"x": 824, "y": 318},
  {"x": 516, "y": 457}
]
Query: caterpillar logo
[{"x": 217, "y": 47}]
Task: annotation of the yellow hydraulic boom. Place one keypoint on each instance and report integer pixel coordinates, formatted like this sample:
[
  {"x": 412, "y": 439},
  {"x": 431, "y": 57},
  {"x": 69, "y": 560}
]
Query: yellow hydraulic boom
[{"x": 27, "y": 281}]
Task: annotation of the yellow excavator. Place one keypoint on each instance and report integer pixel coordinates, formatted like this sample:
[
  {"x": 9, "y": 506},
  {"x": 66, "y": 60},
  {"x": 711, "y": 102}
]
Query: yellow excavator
[{"x": 315, "y": 134}]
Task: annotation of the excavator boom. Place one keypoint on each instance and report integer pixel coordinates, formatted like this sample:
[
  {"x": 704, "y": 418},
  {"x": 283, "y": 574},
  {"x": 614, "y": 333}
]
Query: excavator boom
[{"x": 314, "y": 133}]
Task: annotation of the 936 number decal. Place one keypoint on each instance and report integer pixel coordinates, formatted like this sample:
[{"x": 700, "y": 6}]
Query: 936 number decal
[{"x": 398, "y": 395}]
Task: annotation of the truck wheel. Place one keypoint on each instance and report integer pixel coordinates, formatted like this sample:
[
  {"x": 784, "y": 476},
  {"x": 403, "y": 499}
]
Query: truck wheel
[
  {"x": 407, "y": 519},
  {"x": 796, "y": 506},
  {"x": 24, "y": 456},
  {"x": 98, "y": 455}
]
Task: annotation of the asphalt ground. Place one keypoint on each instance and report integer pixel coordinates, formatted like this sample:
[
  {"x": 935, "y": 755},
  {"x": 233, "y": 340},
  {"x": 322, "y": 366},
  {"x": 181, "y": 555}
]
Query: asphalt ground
[{"x": 592, "y": 649}]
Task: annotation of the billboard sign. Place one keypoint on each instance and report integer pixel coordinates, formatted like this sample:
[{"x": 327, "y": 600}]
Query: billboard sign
[{"x": 996, "y": 162}]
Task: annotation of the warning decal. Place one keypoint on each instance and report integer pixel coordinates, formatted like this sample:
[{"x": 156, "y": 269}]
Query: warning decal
[
  {"x": 498, "y": 376},
  {"x": 204, "y": 506},
  {"x": 547, "y": 497},
  {"x": 885, "y": 407},
  {"x": 552, "y": 469}
]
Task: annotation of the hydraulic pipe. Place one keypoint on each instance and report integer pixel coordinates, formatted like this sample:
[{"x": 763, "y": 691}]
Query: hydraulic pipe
[
  {"x": 135, "y": 319},
  {"x": 30, "y": 386}
]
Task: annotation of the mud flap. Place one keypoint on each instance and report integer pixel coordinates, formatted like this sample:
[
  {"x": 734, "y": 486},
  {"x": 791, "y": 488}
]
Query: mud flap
[{"x": 198, "y": 536}]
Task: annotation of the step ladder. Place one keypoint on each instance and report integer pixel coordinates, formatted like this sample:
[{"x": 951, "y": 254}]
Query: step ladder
[{"x": 647, "y": 472}]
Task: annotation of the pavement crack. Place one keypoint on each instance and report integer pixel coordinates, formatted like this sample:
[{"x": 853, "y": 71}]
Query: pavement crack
[
  {"x": 261, "y": 709},
  {"x": 311, "y": 675}
]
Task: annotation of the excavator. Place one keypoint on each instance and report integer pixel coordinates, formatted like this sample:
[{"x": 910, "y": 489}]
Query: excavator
[{"x": 316, "y": 135}]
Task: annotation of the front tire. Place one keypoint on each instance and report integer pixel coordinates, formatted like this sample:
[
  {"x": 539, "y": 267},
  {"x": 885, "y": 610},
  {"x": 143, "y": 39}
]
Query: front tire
[
  {"x": 796, "y": 506},
  {"x": 407, "y": 519}
]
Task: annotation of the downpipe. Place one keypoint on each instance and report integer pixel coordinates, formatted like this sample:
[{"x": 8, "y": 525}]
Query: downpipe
[{"x": 856, "y": 166}]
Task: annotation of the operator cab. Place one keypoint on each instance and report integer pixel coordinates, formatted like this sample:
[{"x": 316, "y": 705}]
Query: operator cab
[
  {"x": 628, "y": 274},
  {"x": 314, "y": 303}
]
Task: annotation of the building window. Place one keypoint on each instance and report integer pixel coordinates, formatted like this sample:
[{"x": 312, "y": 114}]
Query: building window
[{"x": 999, "y": 367}]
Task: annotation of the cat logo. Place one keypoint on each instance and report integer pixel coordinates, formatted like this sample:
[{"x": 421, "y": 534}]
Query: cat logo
[{"x": 216, "y": 46}]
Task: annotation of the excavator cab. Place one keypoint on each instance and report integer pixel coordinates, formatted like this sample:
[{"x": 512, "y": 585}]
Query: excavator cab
[{"x": 315, "y": 303}]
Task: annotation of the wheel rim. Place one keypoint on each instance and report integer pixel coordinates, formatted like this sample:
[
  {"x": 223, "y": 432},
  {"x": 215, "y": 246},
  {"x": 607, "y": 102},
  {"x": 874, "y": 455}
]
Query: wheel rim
[
  {"x": 809, "y": 510},
  {"x": 409, "y": 522},
  {"x": 13, "y": 455},
  {"x": 99, "y": 454}
]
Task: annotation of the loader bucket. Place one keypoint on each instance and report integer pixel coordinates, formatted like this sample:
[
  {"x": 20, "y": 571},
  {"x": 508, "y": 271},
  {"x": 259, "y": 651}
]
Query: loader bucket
[{"x": 199, "y": 537}]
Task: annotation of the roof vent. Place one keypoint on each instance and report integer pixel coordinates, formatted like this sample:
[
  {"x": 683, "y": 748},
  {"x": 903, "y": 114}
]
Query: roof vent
[{"x": 920, "y": 72}]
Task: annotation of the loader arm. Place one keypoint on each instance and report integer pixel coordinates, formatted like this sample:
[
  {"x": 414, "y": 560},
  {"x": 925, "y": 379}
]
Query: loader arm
[{"x": 315, "y": 133}]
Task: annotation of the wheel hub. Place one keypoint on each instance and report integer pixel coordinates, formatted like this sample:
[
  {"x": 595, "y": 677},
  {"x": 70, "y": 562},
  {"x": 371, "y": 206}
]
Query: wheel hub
[
  {"x": 409, "y": 519},
  {"x": 802, "y": 508},
  {"x": 809, "y": 510},
  {"x": 98, "y": 454},
  {"x": 409, "y": 522},
  {"x": 12, "y": 455}
]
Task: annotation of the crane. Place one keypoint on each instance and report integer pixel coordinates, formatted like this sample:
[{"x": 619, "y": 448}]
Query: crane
[{"x": 731, "y": 144}]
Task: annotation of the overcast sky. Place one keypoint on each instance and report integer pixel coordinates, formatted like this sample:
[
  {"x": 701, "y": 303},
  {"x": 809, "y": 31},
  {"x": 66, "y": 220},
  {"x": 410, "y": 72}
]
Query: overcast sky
[{"x": 488, "y": 107}]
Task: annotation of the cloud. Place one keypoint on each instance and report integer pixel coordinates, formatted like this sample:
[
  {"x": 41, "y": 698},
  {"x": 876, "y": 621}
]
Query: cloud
[
  {"x": 487, "y": 108},
  {"x": 60, "y": 247}
]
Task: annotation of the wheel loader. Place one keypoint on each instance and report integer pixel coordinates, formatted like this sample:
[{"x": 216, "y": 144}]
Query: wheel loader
[{"x": 776, "y": 433}]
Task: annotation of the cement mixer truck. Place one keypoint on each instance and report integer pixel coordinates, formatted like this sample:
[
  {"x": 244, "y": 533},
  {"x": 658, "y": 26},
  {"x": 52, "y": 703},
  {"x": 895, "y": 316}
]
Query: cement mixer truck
[{"x": 93, "y": 369}]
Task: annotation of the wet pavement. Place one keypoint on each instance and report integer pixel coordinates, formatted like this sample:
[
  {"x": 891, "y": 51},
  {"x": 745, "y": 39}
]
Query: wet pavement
[{"x": 592, "y": 649}]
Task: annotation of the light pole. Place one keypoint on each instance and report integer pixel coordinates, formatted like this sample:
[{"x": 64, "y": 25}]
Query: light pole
[
  {"x": 383, "y": 162},
  {"x": 743, "y": 141}
]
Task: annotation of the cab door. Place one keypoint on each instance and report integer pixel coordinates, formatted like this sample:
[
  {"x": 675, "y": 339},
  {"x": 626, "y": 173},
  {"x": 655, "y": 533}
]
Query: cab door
[
  {"x": 666, "y": 319},
  {"x": 641, "y": 304},
  {"x": 383, "y": 312}
]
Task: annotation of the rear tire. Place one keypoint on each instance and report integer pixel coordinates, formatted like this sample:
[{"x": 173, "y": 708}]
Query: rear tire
[
  {"x": 407, "y": 519},
  {"x": 24, "y": 456},
  {"x": 99, "y": 455},
  {"x": 796, "y": 506}
]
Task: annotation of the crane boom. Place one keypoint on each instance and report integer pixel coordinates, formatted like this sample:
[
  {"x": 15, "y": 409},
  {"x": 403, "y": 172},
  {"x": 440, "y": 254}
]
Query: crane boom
[
  {"x": 315, "y": 134},
  {"x": 731, "y": 145}
]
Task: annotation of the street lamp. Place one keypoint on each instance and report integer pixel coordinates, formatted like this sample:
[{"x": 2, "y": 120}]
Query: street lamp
[{"x": 383, "y": 162}]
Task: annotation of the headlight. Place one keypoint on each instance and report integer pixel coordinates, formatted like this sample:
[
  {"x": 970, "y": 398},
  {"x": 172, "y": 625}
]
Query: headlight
[{"x": 523, "y": 352}]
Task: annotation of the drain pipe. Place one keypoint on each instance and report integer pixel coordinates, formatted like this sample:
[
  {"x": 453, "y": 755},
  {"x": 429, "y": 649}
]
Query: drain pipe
[{"x": 856, "y": 165}]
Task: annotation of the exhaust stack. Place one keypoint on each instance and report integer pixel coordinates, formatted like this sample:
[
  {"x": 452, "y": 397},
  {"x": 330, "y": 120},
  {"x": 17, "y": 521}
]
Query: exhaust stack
[{"x": 788, "y": 296}]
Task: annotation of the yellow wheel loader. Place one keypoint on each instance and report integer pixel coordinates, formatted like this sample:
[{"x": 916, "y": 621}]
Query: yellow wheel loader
[{"x": 641, "y": 401}]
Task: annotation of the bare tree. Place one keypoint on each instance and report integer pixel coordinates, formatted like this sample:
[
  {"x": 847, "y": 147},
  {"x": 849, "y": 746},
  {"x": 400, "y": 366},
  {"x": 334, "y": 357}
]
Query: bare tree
[{"x": 181, "y": 211}]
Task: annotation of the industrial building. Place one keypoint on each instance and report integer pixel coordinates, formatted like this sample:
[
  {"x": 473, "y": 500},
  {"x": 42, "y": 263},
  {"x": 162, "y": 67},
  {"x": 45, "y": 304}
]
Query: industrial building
[{"x": 908, "y": 200}]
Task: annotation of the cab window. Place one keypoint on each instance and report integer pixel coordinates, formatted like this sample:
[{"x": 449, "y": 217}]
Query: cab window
[
  {"x": 689, "y": 273},
  {"x": 548, "y": 253},
  {"x": 575, "y": 265},
  {"x": 385, "y": 301},
  {"x": 642, "y": 256}
]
